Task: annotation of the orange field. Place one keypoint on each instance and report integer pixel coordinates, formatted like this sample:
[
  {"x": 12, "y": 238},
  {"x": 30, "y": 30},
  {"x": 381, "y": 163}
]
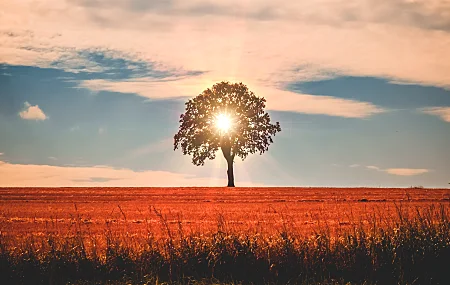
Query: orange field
[{"x": 134, "y": 210}]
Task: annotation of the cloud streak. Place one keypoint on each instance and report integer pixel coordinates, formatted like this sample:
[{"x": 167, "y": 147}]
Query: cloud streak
[
  {"x": 235, "y": 39},
  {"x": 147, "y": 87},
  {"x": 277, "y": 100},
  {"x": 423, "y": 14},
  {"x": 32, "y": 113},
  {"x": 442, "y": 112},
  {"x": 400, "y": 171},
  {"x": 407, "y": 171},
  {"x": 21, "y": 175}
]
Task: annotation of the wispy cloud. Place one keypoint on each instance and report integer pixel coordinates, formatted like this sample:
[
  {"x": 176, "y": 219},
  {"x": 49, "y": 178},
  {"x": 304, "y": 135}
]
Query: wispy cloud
[
  {"x": 277, "y": 99},
  {"x": 20, "y": 175},
  {"x": 373, "y": 167},
  {"x": 147, "y": 87},
  {"x": 400, "y": 171},
  {"x": 280, "y": 100},
  {"x": 230, "y": 38},
  {"x": 406, "y": 171},
  {"x": 32, "y": 113},
  {"x": 441, "y": 112},
  {"x": 114, "y": 64},
  {"x": 423, "y": 14}
]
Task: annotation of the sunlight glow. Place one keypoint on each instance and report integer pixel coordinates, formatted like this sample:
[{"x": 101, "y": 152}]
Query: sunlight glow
[{"x": 223, "y": 123}]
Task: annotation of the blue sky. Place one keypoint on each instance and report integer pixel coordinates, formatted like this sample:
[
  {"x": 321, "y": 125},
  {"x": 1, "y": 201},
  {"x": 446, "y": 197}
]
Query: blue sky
[{"x": 90, "y": 98}]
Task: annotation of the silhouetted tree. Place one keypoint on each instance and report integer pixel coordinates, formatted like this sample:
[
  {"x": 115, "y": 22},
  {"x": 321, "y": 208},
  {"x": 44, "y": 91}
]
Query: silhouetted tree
[{"x": 227, "y": 116}]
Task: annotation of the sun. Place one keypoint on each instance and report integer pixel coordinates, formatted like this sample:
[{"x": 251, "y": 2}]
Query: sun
[{"x": 223, "y": 123}]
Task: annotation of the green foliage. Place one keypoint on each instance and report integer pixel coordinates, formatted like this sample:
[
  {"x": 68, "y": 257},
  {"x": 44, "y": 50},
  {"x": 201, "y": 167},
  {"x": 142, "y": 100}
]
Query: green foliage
[{"x": 251, "y": 132}]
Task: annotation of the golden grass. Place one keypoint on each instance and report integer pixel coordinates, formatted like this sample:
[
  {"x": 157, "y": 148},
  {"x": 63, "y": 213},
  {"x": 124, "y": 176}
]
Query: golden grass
[{"x": 400, "y": 239}]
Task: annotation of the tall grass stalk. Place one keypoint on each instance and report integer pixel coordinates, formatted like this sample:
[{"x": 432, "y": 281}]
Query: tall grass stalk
[{"x": 400, "y": 249}]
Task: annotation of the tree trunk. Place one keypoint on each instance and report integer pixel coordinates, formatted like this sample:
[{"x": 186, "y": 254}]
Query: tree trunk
[
  {"x": 230, "y": 172},
  {"x": 226, "y": 150}
]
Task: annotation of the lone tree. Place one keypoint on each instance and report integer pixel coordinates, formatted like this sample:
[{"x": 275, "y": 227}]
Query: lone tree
[{"x": 227, "y": 116}]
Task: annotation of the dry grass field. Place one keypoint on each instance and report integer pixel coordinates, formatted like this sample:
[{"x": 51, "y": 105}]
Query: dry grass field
[
  {"x": 215, "y": 235},
  {"x": 38, "y": 210}
]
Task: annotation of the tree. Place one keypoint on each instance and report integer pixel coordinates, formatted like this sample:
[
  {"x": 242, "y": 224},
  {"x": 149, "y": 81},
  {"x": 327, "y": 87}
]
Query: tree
[{"x": 226, "y": 116}]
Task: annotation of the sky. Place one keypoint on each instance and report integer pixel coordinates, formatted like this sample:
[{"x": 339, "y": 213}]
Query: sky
[{"x": 91, "y": 90}]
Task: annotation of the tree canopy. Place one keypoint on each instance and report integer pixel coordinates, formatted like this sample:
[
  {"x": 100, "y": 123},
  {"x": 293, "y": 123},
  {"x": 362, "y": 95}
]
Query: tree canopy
[{"x": 226, "y": 116}]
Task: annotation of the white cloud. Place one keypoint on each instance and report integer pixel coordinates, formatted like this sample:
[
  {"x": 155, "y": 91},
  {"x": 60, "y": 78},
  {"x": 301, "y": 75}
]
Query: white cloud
[
  {"x": 1, "y": 153},
  {"x": 239, "y": 39},
  {"x": 20, "y": 175},
  {"x": 400, "y": 171},
  {"x": 441, "y": 112},
  {"x": 277, "y": 100},
  {"x": 431, "y": 13},
  {"x": 354, "y": 165},
  {"x": 101, "y": 131},
  {"x": 149, "y": 87},
  {"x": 406, "y": 171},
  {"x": 32, "y": 113},
  {"x": 373, "y": 167}
]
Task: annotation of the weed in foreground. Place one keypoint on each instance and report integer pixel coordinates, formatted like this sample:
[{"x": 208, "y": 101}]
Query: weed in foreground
[{"x": 405, "y": 249}]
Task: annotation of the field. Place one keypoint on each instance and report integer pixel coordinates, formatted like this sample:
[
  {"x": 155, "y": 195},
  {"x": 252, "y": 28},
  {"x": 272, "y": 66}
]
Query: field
[
  {"x": 37, "y": 210},
  {"x": 249, "y": 235}
]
